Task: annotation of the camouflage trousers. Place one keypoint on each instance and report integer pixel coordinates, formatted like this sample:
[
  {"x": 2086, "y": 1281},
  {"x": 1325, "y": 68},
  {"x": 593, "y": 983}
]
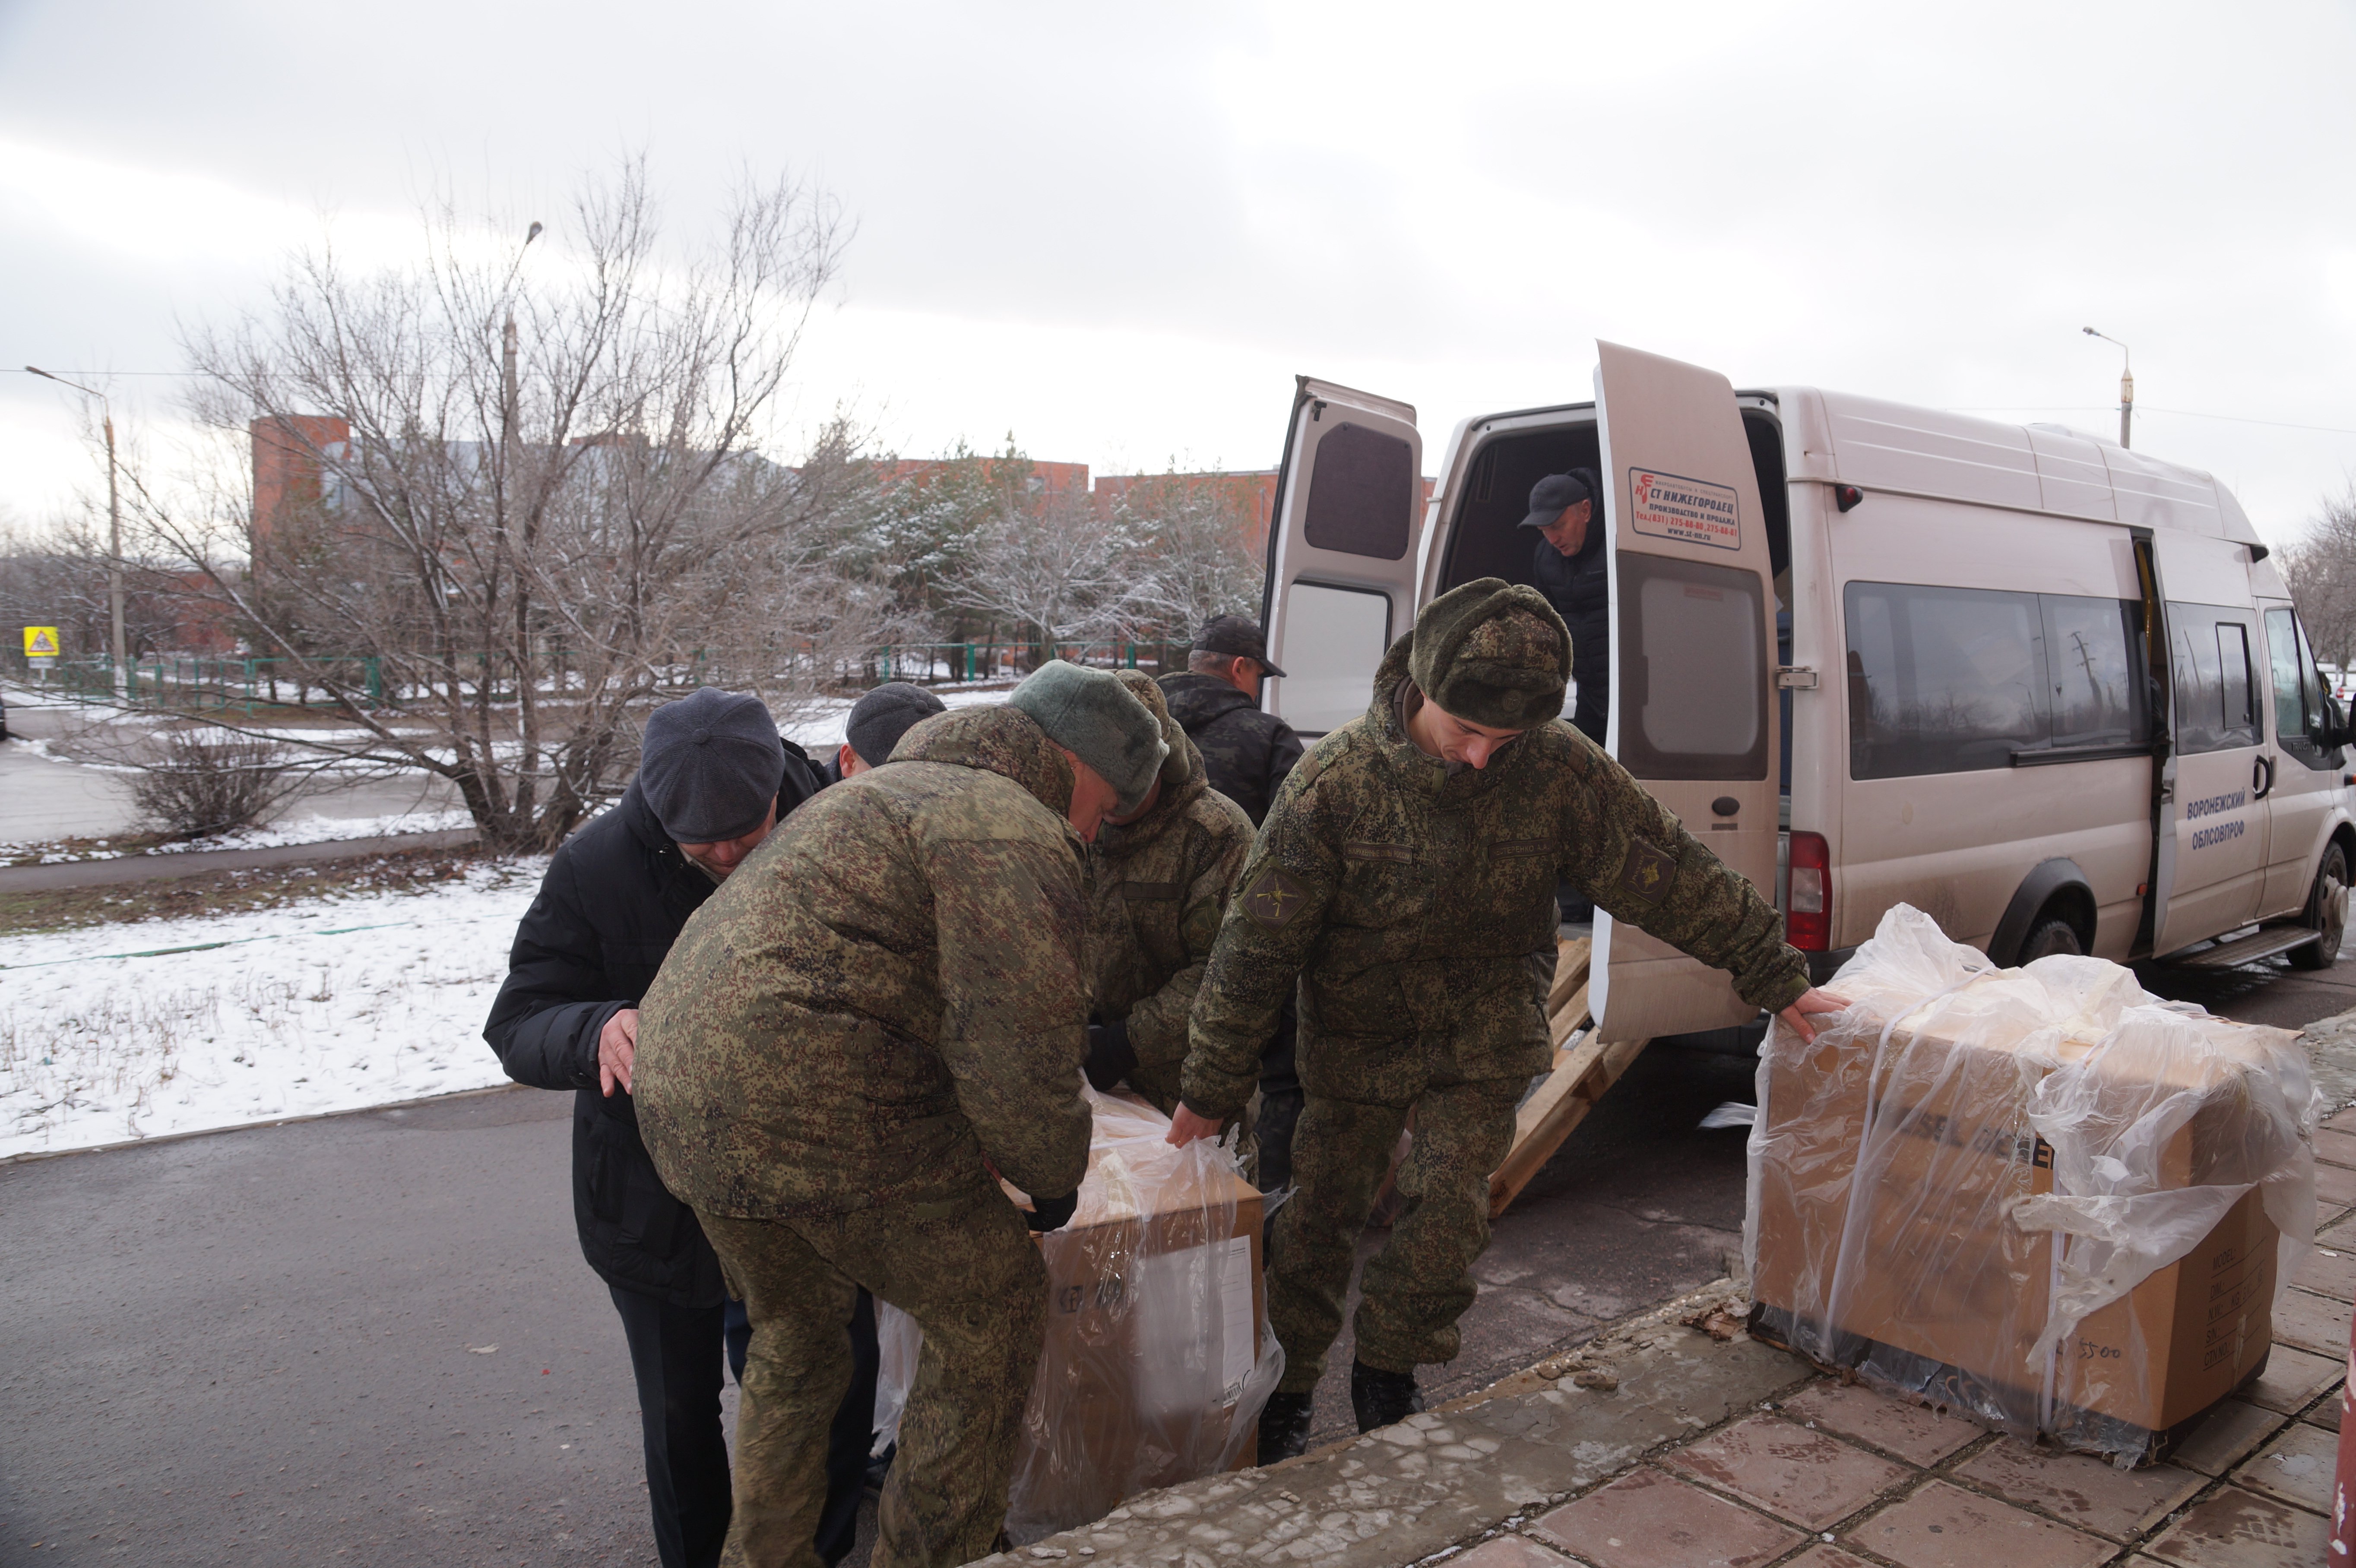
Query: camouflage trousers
[
  {"x": 1421, "y": 1281},
  {"x": 970, "y": 1275}
]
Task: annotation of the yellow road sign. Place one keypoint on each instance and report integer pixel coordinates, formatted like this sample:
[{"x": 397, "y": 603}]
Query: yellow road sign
[{"x": 40, "y": 641}]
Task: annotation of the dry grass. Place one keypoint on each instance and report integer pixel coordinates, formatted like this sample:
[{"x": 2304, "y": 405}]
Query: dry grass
[{"x": 222, "y": 892}]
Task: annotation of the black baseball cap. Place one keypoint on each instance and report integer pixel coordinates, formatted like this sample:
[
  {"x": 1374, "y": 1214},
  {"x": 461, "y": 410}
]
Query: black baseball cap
[
  {"x": 1551, "y": 495},
  {"x": 1236, "y": 636}
]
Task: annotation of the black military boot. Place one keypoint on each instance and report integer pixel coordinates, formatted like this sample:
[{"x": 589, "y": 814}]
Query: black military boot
[
  {"x": 1381, "y": 1398},
  {"x": 1284, "y": 1427}
]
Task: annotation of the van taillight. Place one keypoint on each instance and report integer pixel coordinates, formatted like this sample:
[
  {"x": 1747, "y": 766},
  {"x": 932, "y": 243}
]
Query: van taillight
[{"x": 1808, "y": 912}]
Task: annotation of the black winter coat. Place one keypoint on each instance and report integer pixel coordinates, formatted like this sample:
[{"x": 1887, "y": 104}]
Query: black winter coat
[
  {"x": 1579, "y": 588},
  {"x": 1247, "y": 752},
  {"x": 615, "y": 899}
]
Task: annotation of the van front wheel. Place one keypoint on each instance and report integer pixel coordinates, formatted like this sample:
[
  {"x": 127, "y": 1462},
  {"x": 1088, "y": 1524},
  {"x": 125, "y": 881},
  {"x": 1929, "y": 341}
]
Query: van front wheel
[
  {"x": 2049, "y": 935},
  {"x": 2327, "y": 911}
]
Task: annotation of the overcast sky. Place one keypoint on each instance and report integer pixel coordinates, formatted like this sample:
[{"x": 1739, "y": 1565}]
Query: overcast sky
[{"x": 1119, "y": 231}]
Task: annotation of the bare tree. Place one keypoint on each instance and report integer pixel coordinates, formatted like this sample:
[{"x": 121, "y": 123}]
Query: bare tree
[
  {"x": 1049, "y": 565},
  {"x": 535, "y": 494},
  {"x": 59, "y": 578},
  {"x": 2321, "y": 571},
  {"x": 1191, "y": 560}
]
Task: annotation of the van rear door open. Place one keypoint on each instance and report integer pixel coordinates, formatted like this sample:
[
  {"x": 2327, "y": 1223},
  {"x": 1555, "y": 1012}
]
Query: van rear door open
[
  {"x": 1693, "y": 627},
  {"x": 1341, "y": 552}
]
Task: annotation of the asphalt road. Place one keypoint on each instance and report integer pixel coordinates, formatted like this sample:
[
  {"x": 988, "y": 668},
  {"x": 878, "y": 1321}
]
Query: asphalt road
[
  {"x": 262, "y": 1345},
  {"x": 48, "y": 797}
]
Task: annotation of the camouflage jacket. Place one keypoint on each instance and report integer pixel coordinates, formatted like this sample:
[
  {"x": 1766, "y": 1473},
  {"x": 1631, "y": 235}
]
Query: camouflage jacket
[
  {"x": 1247, "y": 751},
  {"x": 1161, "y": 884},
  {"x": 890, "y": 990},
  {"x": 1405, "y": 898}
]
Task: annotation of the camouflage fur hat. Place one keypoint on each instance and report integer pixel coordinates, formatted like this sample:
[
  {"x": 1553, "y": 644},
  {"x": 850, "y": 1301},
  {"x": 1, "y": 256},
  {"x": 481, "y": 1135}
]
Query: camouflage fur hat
[
  {"x": 1177, "y": 766},
  {"x": 1492, "y": 652},
  {"x": 1091, "y": 714}
]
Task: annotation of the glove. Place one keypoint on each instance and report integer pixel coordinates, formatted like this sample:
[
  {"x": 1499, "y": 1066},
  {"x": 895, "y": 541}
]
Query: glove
[
  {"x": 1111, "y": 1056},
  {"x": 1052, "y": 1213}
]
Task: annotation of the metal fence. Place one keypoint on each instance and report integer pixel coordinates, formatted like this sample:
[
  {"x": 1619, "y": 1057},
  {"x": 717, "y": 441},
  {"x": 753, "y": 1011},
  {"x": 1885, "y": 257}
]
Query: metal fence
[{"x": 199, "y": 683}]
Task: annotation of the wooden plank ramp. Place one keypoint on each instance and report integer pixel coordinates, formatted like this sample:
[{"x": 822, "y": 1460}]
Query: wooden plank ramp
[{"x": 1584, "y": 1068}]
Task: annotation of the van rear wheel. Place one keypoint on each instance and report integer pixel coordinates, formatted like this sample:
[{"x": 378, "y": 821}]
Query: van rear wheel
[
  {"x": 2327, "y": 911},
  {"x": 2049, "y": 935}
]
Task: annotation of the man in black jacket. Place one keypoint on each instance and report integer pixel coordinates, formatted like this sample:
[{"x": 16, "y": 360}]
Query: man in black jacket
[
  {"x": 1570, "y": 569},
  {"x": 1248, "y": 754},
  {"x": 714, "y": 779},
  {"x": 1216, "y": 699}
]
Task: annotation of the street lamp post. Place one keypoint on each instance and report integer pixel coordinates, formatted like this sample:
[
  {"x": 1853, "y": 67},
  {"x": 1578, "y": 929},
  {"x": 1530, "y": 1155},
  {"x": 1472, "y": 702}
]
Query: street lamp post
[
  {"x": 114, "y": 527},
  {"x": 2127, "y": 385},
  {"x": 508, "y": 389}
]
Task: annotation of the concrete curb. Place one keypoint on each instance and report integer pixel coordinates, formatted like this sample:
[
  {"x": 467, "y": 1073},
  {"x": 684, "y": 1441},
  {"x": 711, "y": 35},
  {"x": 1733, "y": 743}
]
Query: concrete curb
[
  {"x": 29, "y": 1155},
  {"x": 194, "y": 862},
  {"x": 1474, "y": 1467}
]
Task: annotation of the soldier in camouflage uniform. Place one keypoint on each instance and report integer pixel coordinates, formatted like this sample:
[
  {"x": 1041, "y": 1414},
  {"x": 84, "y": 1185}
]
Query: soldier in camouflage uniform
[
  {"x": 882, "y": 1006},
  {"x": 1405, "y": 874},
  {"x": 1160, "y": 883}
]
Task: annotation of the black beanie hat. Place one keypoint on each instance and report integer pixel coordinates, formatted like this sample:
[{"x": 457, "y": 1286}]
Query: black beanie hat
[
  {"x": 709, "y": 766},
  {"x": 879, "y": 719},
  {"x": 1494, "y": 653}
]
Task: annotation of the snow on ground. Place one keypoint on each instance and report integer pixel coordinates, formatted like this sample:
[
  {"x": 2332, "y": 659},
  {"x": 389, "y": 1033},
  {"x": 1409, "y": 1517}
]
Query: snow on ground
[
  {"x": 818, "y": 727},
  {"x": 330, "y": 1005},
  {"x": 310, "y": 829},
  {"x": 123, "y": 1031}
]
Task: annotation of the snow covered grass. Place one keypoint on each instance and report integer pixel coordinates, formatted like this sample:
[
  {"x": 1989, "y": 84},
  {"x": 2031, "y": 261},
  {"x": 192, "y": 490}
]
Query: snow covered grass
[
  {"x": 308, "y": 829},
  {"x": 107, "y": 1034},
  {"x": 818, "y": 729}
]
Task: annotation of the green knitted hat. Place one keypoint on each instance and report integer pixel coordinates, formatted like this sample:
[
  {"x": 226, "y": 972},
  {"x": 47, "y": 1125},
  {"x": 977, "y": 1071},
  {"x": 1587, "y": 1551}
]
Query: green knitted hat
[
  {"x": 1493, "y": 653},
  {"x": 1090, "y": 714}
]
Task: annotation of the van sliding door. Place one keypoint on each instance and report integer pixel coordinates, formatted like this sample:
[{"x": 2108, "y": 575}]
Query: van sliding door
[
  {"x": 1341, "y": 552},
  {"x": 2223, "y": 773},
  {"x": 1693, "y": 630}
]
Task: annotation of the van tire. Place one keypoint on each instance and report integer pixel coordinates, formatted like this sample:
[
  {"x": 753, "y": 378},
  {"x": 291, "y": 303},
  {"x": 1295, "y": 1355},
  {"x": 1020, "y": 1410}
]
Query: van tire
[
  {"x": 2049, "y": 935},
  {"x": 2327, "y": 911}
]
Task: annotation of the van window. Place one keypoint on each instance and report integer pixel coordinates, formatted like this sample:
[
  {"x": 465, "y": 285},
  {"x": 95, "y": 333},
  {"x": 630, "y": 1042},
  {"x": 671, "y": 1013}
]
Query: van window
[
  {"x": 2283, "y": 661},
  {"x": 2209, "y": 652},
  {"x": 1334, "y": 638},
  {"x": 2097, "y": 687},
  {"x": 1362, "y": 490},
  {"x": 1946, "y": 680},
  {"x": 1693, "y": 682},
  {"x": 1943, "y": 680}
]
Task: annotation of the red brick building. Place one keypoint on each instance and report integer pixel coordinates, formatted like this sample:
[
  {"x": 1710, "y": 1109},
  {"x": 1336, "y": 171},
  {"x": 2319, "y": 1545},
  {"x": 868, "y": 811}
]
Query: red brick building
[{"x": 287, "y": 478}]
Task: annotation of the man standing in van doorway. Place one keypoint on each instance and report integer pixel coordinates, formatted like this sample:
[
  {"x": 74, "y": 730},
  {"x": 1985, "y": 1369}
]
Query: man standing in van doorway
[
  {"x": 1404, "y": 875},
  {"x": 1570, "y": 569}
]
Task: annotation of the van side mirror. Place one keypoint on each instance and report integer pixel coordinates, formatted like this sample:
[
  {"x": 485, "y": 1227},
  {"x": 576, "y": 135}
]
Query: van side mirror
[{"x": 2336, "y": 733}]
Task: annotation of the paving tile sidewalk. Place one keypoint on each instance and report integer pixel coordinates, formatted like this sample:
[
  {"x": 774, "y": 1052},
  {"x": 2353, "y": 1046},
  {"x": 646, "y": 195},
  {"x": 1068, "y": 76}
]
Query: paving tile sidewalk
[{"x": 1658, "y": 1446}]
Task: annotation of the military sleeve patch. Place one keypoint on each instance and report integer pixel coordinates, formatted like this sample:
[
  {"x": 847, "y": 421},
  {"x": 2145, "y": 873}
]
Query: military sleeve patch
[
  {"x": 1649, "y": 871},
  {"x": 1274, "y": 898}
]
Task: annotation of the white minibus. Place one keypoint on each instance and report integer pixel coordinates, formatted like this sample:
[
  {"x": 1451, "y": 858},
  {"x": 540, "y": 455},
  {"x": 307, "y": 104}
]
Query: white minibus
[{"x": 2047, "y": 689}]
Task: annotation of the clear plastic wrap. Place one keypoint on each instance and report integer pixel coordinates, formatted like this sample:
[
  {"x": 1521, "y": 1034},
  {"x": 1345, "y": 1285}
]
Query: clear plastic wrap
[
  {"x": 1158, "y": 1355},
  {"x": 2041, "y": 1197}
]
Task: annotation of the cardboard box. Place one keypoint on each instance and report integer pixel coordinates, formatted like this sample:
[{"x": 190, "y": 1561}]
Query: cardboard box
[
  {"x": 1136, "y": 1389},
  {"x": 1157, "y": 1358},
  {"x": 1936, "y": 1290}
]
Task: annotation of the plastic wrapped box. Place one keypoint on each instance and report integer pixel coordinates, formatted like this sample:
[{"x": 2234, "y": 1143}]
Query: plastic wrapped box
[
  {"x": 1158, "y": 1354},
  {"x": 2039, "y": 1197}
]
